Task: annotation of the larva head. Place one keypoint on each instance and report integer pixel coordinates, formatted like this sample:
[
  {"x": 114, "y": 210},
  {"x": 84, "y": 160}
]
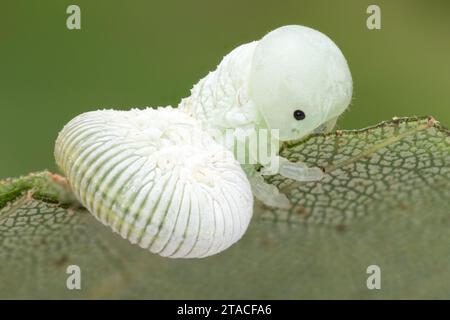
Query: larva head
[{"x": 299, "y": 80}]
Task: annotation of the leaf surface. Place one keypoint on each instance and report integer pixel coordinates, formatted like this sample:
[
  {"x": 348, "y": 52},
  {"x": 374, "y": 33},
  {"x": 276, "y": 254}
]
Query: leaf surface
[{"x": 384, "y": 201}]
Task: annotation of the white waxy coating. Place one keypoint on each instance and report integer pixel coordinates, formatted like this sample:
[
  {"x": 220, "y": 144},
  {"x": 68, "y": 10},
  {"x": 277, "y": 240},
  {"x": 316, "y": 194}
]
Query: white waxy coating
[
  {"x": 156, "y": 178},
  {"x": 262, "y": 83}
]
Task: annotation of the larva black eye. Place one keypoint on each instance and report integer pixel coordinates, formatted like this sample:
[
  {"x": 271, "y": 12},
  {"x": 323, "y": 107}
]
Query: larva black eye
[{"x": 299, "y": 115}]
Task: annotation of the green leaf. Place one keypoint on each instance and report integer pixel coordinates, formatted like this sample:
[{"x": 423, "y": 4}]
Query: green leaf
[
  {"x": 384, "y": 201},
  {"x": 392, "y": 168}
]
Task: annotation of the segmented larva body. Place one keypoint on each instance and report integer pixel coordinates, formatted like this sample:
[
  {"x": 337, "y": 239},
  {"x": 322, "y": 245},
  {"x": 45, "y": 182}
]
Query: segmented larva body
[
  {"x": 157, "y": 179},
  {"x": 220, "y": 100}
]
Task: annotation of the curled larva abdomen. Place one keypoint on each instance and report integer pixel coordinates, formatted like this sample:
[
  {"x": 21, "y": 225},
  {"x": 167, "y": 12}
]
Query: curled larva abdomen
[{"x": 156, "y": 178}]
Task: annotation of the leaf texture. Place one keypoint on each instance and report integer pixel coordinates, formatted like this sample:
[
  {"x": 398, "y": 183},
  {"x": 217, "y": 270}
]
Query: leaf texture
[{"x": 384, "y": 201}]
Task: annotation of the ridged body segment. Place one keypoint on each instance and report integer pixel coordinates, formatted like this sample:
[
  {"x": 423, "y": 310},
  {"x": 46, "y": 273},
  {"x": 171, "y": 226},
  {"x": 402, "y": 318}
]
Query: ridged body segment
[
  {"x": 156, "y": 178},
  {"x": 220, "y": 101}
]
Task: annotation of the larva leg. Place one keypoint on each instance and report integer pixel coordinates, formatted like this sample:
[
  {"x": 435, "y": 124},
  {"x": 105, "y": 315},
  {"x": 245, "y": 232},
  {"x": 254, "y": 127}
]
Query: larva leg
[
  {"x": 267, "y": 193},
  {"x": 298, "y": 170},
  {"x": 294, "y": 170}
]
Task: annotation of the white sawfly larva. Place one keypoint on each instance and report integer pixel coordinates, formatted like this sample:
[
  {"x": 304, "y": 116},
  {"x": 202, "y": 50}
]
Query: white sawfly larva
[{"x": 164, "y": 180}]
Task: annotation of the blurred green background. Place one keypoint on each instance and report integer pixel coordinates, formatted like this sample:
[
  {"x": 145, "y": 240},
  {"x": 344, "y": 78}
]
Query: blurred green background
[{"x": 150, "y": 53}]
